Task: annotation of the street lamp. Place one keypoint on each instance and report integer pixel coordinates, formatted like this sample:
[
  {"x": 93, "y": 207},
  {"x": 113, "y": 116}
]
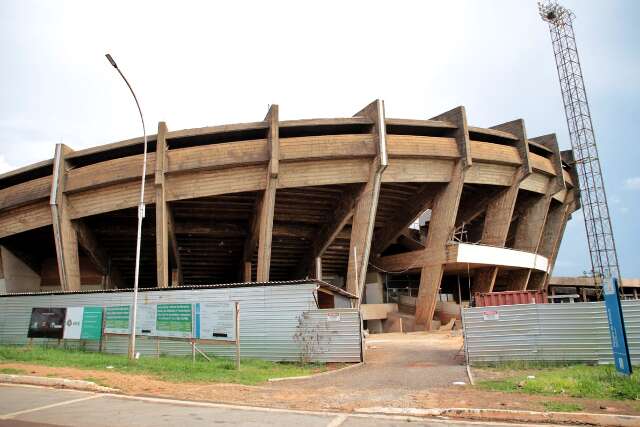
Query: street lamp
[{"x": 132, "y": 332}]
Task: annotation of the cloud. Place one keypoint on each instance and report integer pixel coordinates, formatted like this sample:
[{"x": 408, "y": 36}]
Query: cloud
[
  {"x": 632, "y": 183},
  {"x": 4, "y": 165}
]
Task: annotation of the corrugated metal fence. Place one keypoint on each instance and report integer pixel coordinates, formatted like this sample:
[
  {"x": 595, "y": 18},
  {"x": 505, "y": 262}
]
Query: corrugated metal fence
[
  {"x": 548, "y": 332},
  {"x": 274, "y": 321}
]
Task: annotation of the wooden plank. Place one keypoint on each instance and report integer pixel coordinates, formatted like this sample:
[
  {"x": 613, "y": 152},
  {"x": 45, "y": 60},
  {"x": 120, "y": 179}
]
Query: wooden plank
[
  {"x": 323, "y": 172},
  {"x": 26, "y": 169},
  {"x": 339, "y": 121},
  {"x": 364, "y": 213},
  {"x": 107, "y": 199},
  {"x": 418, "y": 170},
  {"x": 110, "y": 172},
  {"x": 25, "y": 193},
  {"x": 422, "y": 146},
  {"x": 110, "y": 147},
  {"x": 269, "y": 198},
  {"x": 162, "y": 223},
  {"x": 495, "y": 153},
  {"x": 65, "y": 236},
  {"x": 541, "y": 164},
  {"x": 217, "y": 156},
  {"x": 25, "y": 218},
  {"x": 327, "y": 147},
  {"x": 493, "y": 132},
  {"x": 491, "y": 174},
  {"x": 436, "y": 124},
  {"x": 536, "y": 182},
  {"x": 215, "y": 182},
  {"x": 215, "y": 130}
]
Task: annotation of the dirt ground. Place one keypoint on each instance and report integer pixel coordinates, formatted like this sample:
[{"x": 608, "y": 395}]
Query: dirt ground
[{"x": 401, "y": 370}]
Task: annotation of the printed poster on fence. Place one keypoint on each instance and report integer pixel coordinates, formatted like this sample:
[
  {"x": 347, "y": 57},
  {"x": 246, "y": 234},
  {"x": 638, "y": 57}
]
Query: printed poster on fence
[
  {"x": 215, "y": 321},
  {"x": 46, "y": 322},
  {"x": 83, "y": 323},
  {"x": 174, "y": 320},
  {"x": 146, "y": 320},
  {"x": 117, "y": 319}
]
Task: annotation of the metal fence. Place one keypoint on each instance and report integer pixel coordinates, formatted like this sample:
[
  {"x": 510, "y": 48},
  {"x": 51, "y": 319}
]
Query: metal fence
[
  {"x": 546, "y": 332},
  {"x": 272, "y": 318}
]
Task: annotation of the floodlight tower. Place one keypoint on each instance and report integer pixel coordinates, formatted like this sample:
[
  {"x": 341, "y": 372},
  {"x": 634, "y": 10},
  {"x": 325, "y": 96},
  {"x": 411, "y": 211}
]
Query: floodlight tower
[{"x": 602, "y": 246}]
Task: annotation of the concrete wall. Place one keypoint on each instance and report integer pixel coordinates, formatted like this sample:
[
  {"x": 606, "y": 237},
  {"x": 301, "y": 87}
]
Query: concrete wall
[{"x": 18, "y": 276}]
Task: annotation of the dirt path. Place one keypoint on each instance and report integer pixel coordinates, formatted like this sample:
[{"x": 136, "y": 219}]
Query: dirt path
[{"x": 412, "y": 370}]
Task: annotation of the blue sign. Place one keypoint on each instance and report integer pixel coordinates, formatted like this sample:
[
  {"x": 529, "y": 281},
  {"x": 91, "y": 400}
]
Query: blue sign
[{"x": 618, "y": 334}]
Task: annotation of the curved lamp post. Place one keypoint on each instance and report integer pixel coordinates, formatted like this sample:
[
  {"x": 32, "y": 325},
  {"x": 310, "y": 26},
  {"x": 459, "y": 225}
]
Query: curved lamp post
[{"x": 132, "y": 332}]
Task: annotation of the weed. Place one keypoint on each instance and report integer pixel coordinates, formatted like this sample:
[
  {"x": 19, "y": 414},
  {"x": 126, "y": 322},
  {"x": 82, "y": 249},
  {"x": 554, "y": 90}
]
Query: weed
[{"x": 562, "y": 407}]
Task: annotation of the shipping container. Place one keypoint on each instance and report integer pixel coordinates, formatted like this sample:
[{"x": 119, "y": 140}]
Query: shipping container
[{"x": 488, "y": 299}]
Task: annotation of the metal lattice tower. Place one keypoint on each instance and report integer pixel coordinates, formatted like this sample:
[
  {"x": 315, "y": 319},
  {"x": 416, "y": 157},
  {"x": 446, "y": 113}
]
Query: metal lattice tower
[{"x": 602, "y": 247}]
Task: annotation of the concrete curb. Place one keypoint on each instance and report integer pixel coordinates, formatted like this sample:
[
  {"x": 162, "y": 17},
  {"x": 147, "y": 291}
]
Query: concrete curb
[
  {"x": 512, "y": 415},
  {"x": 56, "y": 382},
  {"x": 319, "y": 374}
]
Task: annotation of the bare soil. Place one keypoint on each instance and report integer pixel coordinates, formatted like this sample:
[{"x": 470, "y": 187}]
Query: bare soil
[{"x": 402, "y": 370}]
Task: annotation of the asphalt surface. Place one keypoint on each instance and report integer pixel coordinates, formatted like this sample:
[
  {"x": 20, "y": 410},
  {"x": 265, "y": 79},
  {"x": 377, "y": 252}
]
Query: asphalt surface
[{"x": 30, "y": 406}]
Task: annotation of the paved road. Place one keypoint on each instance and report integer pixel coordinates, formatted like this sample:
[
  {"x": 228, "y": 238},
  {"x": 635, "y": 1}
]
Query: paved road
[{"x": 29, "y": 406}]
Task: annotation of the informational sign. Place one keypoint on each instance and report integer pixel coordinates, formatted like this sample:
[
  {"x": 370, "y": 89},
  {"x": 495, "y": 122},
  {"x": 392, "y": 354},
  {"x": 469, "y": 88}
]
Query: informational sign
[
  {"x": 47, "y": 322},
  {"x": 215, "y": 321},
  {"x": 73, "y": 323},
  {"x": 83, "y": 323},
  {"x": 117, "y": 319},
  {"x": 146, "y": 320},
  {"x": 617, "y": 331},
  {"x": 491, "y": 315},
  {"x": 333, "y": 317},
  {"x": 91, "y": 323},
  {"x": 174, "y": 320}
]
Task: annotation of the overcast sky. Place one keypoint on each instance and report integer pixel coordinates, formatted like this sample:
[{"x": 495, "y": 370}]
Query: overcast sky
[{"x": 195, "y": 64}]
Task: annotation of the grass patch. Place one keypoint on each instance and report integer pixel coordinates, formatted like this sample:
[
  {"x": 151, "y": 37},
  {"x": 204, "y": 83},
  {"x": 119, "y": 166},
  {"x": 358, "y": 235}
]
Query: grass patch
[
  {"x": 167, "y": 368},
  {"x": 596, "y": 382},
  {"x": 12, "y": 371},
  {"x": 562, "y": 407}
]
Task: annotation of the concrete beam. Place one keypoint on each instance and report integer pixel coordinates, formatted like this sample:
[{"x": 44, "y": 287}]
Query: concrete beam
[
  {"x": 269, "y": 197},
  {"x": 66, "y": 239},
  {"x": 443, "y": 218},
  {"x": 162, "y": 222},
  {"x": 364, "y": 213}
]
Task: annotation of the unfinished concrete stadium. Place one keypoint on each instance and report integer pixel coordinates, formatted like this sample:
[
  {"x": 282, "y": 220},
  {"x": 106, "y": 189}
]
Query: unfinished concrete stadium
[{"x": 330, "y": 199}]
